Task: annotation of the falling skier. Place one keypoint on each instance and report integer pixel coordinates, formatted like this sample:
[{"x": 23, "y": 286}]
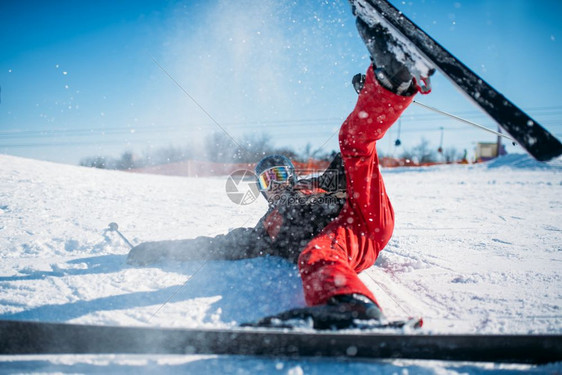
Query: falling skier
[{"x": 332, "y": 231}]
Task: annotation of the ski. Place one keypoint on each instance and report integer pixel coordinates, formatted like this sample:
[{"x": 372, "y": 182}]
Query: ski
[
  {"x": 372, "y": 325},
  {"x": 24, "y": 337},
  {"x": 535, "y": 139}
]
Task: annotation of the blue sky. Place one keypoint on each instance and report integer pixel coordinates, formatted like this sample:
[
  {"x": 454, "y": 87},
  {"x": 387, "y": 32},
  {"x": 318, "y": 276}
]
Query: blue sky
[{"x": 78, "y": 78}]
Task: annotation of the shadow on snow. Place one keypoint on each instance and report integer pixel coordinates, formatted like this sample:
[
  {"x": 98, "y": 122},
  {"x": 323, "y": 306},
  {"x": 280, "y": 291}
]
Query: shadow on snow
[{"x": 248, "y": 289}]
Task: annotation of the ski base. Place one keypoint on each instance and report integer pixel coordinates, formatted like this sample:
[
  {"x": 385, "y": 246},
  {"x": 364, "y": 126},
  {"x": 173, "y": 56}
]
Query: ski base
[
  {"x": 530, "y": 135},
  {"x": 23, "y": 337}
]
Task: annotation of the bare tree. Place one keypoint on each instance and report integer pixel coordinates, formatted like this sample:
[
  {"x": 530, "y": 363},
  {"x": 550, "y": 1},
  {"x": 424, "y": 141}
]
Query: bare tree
[
  {"x": 422, "y": 153},
  {"x": 127, "y": 161},
  {"x": 318, "y": 154},
  {"x": 256, "y": 147},
  {"x": 451, "y": 154},
  {"x": 221, "y": 148},
  {"x": 100, "y": 162},
  {"x": 251, "y": 148}
]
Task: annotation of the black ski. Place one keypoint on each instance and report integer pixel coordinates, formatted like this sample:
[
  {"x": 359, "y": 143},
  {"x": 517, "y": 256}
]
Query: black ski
[
  {"x": 20, "y": 337},
  {"x": 541, "y": 144},
  {"x": 371, "y": 325}
]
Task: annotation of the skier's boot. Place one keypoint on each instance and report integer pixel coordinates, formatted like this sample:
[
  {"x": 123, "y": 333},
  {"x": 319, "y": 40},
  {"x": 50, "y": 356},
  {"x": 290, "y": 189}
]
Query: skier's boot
[
  {"x": 358, "y": 306},
  {"x": 397, "y": 68},
  {"x": 340, "y": 312},
  {"x": 358, "y": 82}
]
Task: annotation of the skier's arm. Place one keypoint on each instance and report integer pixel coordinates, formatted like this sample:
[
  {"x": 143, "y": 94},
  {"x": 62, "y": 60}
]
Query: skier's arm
[
  {"x": 307, "y": 209},
  {"x": 239, "y": 243},
  {"x": 332, "y": 179}
]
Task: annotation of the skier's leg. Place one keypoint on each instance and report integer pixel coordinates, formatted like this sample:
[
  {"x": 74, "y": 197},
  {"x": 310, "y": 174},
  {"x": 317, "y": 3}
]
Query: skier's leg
[
  {"x": 376, "y": 110},
  {"x": 326, "y": 265},
  {"x": 351, "y": 243}
]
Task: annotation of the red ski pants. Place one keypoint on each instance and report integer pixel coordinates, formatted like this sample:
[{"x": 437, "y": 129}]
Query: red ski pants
[{"x": 330, "y": 263}]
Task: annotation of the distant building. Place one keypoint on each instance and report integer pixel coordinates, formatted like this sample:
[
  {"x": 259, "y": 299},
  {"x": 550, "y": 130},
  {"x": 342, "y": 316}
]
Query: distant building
[{"x": 488, "y": 150}]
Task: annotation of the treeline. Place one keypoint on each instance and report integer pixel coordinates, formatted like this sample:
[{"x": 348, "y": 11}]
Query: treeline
[
  {"x": 217, "y": 147},
  {"x": 221, "y": 148},
  {"x": 425, "y": 153}
]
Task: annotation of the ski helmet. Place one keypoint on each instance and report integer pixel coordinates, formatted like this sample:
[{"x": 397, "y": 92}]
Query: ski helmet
[{"x": 285, "y": 173}]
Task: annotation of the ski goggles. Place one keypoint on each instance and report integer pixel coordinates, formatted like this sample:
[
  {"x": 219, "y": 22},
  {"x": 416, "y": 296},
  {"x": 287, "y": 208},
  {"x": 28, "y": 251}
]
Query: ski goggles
[{"x": 273, "y": 175}]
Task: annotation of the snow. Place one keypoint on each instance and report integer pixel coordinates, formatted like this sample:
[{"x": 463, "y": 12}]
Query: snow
[{"x": 476, "y": 249}]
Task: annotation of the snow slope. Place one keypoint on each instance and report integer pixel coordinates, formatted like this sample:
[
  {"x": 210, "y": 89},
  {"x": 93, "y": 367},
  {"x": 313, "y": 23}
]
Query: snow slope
[{"x": 475, "y": 249}]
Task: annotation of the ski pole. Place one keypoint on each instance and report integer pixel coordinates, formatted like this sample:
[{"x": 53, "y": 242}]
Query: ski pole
[
  {"x": 465, "y": 121},
  {"x": 113, "y": 227}
]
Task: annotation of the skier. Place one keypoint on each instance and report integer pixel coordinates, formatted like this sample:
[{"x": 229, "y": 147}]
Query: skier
[
  {"x": 298, "y": 210},
  {"x": 333, "y": 241}
]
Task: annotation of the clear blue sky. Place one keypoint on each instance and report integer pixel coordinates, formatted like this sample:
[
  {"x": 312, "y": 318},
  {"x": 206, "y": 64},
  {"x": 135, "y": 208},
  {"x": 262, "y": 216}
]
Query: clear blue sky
[{"x": 78, "y": 78}]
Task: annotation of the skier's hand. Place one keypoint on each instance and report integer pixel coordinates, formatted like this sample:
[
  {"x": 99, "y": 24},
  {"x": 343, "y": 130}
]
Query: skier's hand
[{"x": 145, "y": 254}]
